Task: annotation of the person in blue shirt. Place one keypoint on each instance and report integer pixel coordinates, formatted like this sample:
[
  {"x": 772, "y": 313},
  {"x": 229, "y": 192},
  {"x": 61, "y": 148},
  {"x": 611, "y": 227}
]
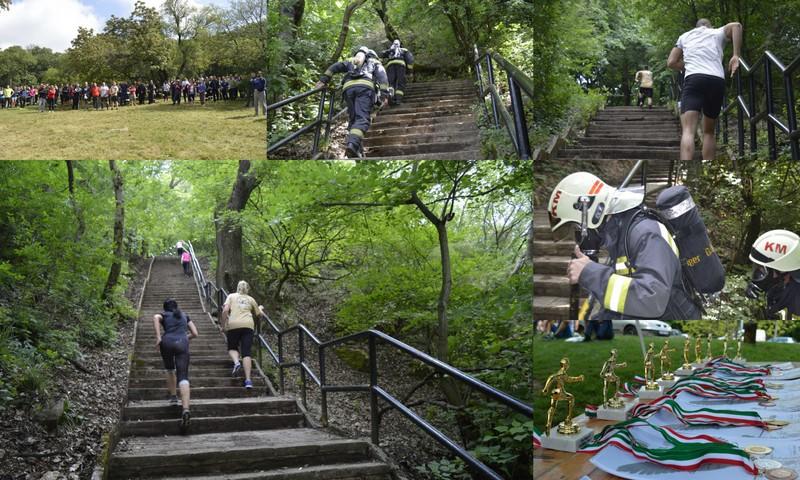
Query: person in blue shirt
[{"x": 259, "y": 84}]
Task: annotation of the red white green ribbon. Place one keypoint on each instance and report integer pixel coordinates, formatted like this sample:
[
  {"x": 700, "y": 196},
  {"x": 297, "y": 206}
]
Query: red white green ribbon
[
  {"x": 702, "y": 416},
  {"x": 685, "y": 452},
  {"x": 728, "y": 364},
  {"x": 590, "y": 411},
  {"x": 709, "y": 373},
  {"x": 710, "y": 387},
  {"x": 631, "y": 389},
  {"x": 536, "y": 438}
]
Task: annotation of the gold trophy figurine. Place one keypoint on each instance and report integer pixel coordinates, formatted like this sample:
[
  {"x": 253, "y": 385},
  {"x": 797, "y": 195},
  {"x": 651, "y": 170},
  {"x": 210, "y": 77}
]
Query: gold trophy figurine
[
  {"x": 725, "y": 346},
  {"x": 609, "y": 377},
  {"x": 697, "y": 348},
  {"x": 739, "y": 347},
  {"x": 554, "y": 386},
  {"x": 666, "y": 362},
  {"x": 649, "y": 369},
  {"x": 708, "y": 348},
  {"x": 686, "y": 365}
]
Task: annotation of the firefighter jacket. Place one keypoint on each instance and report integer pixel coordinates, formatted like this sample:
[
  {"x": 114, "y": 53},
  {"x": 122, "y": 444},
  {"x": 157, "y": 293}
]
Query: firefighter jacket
[
  {"x": 398, "y": 56},
  {"x": 370, "y": 74},
  {"x": 649, "y": 284}
]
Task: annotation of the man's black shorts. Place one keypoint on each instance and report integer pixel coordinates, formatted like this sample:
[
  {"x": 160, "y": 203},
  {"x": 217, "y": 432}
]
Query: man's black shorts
[
  {"x": 703, "y": 93},
  {"x": 243, "y": 336},
  {"x": 646, "y": 92}
]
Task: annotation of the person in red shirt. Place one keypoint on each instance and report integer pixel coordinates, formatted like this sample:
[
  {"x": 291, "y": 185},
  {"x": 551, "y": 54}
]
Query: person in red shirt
[
  {"x": 52, "y": 93},
  {"x": 94, "y": 92}
]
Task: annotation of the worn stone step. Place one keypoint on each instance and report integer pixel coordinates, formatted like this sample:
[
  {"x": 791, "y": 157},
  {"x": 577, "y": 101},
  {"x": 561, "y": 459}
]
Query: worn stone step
[
  {"x": 460, "y": 155},
  {"x": 232, "y": 452},
  {"x": 422, "y": 100},
  {"x": 150, "y": 372},
  {"x": 622, "y": 152},
  {"x": 623, "y": 136},
  {"x": 412, "y": 120},
  {"x": 603, "y": 142},
  {"x": 433, "y": 109},
  {"x": 550, "y": 285},
  {"x": 197, "y": 392},
  {"x": 413, "y": 149},
  {"x": 205, "y": 360},
  {"x": 414, "y": 139},
  {"x": 550, "y": 248},
  {"x": 195, "y": 381},
  {"x": 550, "y": 308},
  {"x": 200, "y": 424},
  {"x": 440, "y": 128},
  {"x": 549, "y": 264},
  {"x": 208, "y": 407},
  {"x": 344, "y": 471},
  {"x": 633, "y": 108}
]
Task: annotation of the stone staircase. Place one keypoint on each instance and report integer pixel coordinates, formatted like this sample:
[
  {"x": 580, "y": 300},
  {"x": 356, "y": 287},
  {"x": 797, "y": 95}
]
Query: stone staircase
[
  {"x": 615, "y": 134},
  {"x": 235, "y": 433},
  {"x": 435, "y": 121}
]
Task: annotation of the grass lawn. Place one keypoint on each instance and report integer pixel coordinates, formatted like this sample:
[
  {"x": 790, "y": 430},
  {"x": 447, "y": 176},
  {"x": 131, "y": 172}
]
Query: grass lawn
[
  {"x": 588, "y": 358},
  {"x": 144, "y": 132}
]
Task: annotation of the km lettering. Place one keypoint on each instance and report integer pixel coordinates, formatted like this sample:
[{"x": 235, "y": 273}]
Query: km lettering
[{"x": 775, "y": 247}]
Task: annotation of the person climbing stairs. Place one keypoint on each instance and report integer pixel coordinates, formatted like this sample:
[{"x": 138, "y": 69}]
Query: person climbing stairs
[
  {"x": 235, "y": 433},
  {"x": 435, "y": 121}
]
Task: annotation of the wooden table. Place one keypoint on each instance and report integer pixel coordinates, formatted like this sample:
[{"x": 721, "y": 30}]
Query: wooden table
[{"x": 554, "y": 465}]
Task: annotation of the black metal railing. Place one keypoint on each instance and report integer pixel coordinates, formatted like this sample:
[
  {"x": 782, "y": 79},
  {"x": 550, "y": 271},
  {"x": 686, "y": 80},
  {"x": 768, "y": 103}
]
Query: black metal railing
[
  {"x": 518, "y": 83},
  {"x": 376, "y": 392},
  {"x": 214, "y": 296},
  {"x": 326, "y": 95},
  {"x": 756, "y": 107}
]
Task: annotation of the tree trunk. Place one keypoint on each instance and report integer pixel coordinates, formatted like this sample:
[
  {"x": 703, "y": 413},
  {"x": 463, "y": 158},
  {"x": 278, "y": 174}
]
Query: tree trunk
[
  {"x": 383, "y": 14},
  {"x": 73, "y": 203},
  {"x": 348, "y": 12},
  {"x": 119, "y": 227},
  {"x": 230, "y": 264}
]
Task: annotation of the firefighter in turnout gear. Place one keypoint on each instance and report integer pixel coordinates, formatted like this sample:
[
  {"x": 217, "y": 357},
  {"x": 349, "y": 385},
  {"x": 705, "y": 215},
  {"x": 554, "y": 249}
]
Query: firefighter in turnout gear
[
  {"x": 776, "y": 272},
  {"x": 399, "y": 60},
  {"x": 364, "y": 85},
  {"x": 647, "y": 282}
]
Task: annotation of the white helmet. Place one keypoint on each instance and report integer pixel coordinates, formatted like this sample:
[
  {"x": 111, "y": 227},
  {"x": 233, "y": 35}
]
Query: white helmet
[
  {"x": 601, "y": 200},
  {"x": 777, "y": 249}
]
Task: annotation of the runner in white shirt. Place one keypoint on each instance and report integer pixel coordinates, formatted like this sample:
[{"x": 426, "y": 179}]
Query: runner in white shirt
[
  {"x": 645, "y": 79},
  {"x": 699, "y": 53}
]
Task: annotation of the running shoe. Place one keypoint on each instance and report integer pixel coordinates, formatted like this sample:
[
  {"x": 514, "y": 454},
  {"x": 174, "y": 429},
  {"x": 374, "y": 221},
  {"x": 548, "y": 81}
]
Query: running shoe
[
  {"x": 173, "y": 400},
  {"x": 185, "y": 417},
  {"x": 237, "y": 368},
  {"x": 248, "y": 384}
]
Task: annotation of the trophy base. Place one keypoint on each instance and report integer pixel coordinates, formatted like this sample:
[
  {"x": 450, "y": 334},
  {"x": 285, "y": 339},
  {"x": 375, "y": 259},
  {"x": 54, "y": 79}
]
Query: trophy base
[
  {"x": 684, "y": 372},
  {"x": 567, "y": 443},
  {"x": 740, "y": 360},
  {"x": 698, "y": 365},
  {"x": 645, "y": 394},
  {"x": 666, "y": 384},
  {"x": 615, "y": 414}
]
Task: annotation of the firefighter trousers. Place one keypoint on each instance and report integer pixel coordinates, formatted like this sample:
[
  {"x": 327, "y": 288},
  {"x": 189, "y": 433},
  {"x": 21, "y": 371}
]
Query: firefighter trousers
[
  {"x": 397, "y": 80},
  {"x": 359, "y": 100}
]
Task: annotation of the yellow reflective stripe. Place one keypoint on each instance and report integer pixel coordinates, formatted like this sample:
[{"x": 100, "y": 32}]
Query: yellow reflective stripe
[
  {"x": 410, "y": 66},
  {"x": 396, "y": 62},
  {"x": 328, "y": 73},
  {"x": 398, "y": 93},
  {"x": 383, "y": 86},
  {"x": 670, "y": 241},
  {"x": 621, "y": 268},
  {"x": 360, "y": 81},
  {"x": 616, "y": 293},
  {"x": 357, "y": 132}
]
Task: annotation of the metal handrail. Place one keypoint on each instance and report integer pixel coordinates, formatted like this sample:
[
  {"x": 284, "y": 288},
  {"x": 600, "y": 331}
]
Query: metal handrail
[
  {"x": 518, "y": 83},
  {"x": 747, "y": 110},
  {"x": 373, "y": 388},
  {"x": 316, "y": 125}
]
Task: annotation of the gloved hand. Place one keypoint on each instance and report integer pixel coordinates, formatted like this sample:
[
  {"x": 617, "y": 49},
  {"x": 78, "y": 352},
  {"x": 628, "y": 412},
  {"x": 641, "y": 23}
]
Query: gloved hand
[{"x": 320, "y": 84}]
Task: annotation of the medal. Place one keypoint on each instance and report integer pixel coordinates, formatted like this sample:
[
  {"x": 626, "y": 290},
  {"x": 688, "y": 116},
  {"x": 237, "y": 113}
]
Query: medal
[
  {"x": 776, "y": 423},
  {"x": 764, "y": 464},
  {"x": 757, "y": 450},
  {"x": 781, "y": 474}
]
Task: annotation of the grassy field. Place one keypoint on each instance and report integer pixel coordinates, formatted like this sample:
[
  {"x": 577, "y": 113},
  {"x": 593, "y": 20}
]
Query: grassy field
[
  {"x": 588, "y": 358},
  {"x": 144, "y": 132}
]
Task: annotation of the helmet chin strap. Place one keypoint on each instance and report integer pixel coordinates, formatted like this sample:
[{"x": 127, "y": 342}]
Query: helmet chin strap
[{"x": 583, "y": 202}]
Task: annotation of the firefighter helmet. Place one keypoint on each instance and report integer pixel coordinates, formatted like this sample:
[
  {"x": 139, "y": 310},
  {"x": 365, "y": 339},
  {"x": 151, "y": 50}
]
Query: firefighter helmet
[
  {"x": 777, "y": 249},
  {"x": 582, "y": 188}
]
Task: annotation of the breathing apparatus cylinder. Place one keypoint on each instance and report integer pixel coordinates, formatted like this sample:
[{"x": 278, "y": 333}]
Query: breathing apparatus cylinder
[{"x": 698, "y": 257}]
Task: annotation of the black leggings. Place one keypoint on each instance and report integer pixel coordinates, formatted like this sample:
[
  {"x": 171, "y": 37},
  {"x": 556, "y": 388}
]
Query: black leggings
[
  {"x": 175, "y": 353},
  {"x": 243, "y": 336}
]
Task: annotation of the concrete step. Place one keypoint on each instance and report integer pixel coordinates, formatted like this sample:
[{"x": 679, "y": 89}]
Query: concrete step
[
  {"x": 200, "y": 425},
  {"x": 625, "y": 137},
  {"x": 197, "y": 392},
  {"x": 432, "y": 129},
  {"x": 633, "y": 108},
  {"x": 414, "y": 120},
  {"x": 460, "y": 155},
  {"x": 549, "y": 264},
  {"x": 204, "y": 360},
  {"x": 550, "y": 308},
  {"x": 232, "y": 452},
  {"x": 437, "y": 109},
  {"x": 423, "y": 148},
  {"x": 343, "y": 471},
  {"x": 212, "y": 407},
  {"x": 196, "y": 381},
  {"x": 419, "y": 138},
  {"x": 422, "y": 100},
  {"x": 551, "y": 286},
  {"x": 622, "y": 152},
  {"x": 551, "y": 248},
  {"x": 604, "y": 142},
  {"x": 194, "y": 370}
]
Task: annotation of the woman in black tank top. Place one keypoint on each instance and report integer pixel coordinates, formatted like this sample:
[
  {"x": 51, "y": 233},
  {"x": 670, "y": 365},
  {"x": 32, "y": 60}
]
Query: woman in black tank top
[{"x": 173, "y": 331}]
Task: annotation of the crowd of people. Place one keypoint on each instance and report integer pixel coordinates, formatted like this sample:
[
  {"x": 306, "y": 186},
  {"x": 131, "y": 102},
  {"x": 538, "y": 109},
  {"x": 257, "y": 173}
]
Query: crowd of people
[{"x": 112, "y": 95}]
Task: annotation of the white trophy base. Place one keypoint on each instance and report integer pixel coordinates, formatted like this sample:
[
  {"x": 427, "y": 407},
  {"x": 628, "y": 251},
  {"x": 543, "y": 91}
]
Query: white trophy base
[
  {"x": 567, "y": 443},
  {"x": 646, "y": 395},
  {"x": 667, "y": 384},
  {"x": 740, "y": 360},
  {"x": 615, "y": 414},
  {"x": 699, "y": 365},
  {"x": 684, "y": 372}
]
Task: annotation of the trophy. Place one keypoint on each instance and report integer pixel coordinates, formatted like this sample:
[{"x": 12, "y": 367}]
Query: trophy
[
  {"x": 686, "y": 369},
  {"x": 665, "y": 362},
  {"x": 613, "y": 408},
  {"x": 725, "y": 346},
  {"x": 708, "y": 347},
  {"x": 739, "y": 349},
  {"x": 697, "y": 359},
  {"x": 651, "y": 389},
  {"x": 569, "y": 436}
]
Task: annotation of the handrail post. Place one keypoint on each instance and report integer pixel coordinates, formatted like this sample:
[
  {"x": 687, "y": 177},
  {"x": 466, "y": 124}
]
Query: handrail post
[
  {"x": 753, "y": 137},
  {"x": 302, "y": 353},
  {"x": 739, "y": 112},
  {"x": 792, "y": 114},
  {"x": 280, "y": 363},
  {"x": 373, "y": 395},
  {"x": 320, "y": 113},
  {"x": 724, "y": 127},
  {"x": 323, "y": 393},
  {"x": 330, "y": 116},
  {"x": 257, "y": 321},
  {"x": 490, "y": 73},
  {"x": 523, "y": 143},
  {"x": 773, "y": 149}
]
